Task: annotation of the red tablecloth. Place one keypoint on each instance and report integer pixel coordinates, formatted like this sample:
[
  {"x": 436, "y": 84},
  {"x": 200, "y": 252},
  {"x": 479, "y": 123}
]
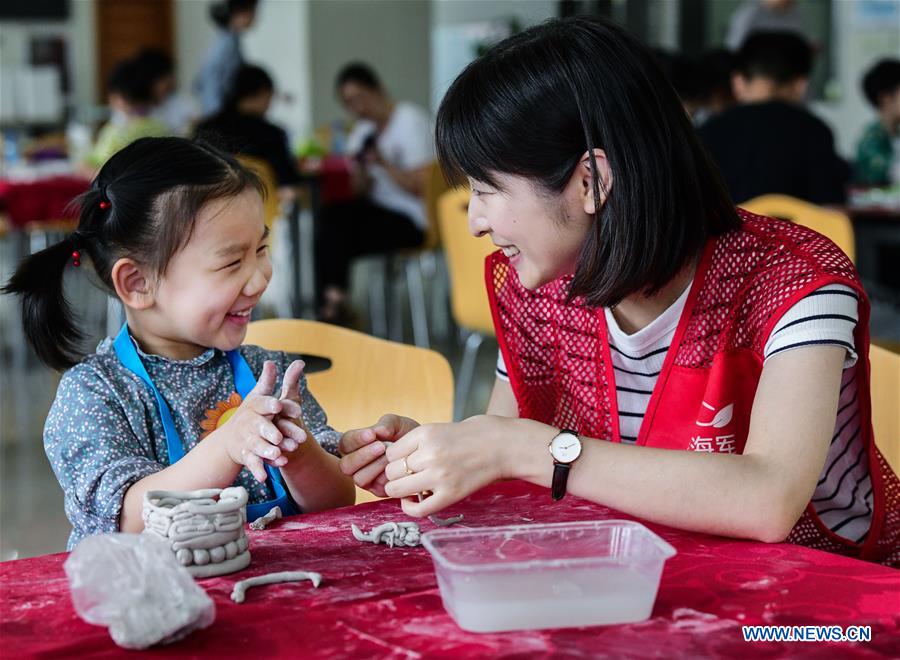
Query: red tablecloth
[
  {"x": 378, "y": 601},
  {"x": 40, "y": 200}
]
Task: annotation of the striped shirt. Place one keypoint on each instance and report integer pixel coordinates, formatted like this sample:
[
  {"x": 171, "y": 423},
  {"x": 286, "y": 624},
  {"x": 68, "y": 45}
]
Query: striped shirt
[{"x": 843, "y": 495}]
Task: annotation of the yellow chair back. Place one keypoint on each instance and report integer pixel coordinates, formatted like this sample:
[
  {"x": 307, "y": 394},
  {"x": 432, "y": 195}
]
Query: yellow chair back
[
  {"x": 465, "y": 261},
  {"x": 368, "y": 376},
  {"x": 833, "y": 224},
  {"x": 271, "y": 204},
  {"x": 435, "y": 187},
  {"x": 886, "y": 403}
]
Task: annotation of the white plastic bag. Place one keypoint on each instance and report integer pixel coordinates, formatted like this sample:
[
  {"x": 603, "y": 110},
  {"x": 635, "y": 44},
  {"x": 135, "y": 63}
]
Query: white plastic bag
[{"x": 132, "y": 584}]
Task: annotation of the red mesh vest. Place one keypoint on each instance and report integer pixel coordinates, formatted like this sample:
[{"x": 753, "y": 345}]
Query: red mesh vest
[{"x": 557, "y": 355}]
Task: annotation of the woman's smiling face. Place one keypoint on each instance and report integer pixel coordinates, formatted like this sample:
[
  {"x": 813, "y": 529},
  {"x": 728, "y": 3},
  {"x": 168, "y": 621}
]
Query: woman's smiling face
[{"x": 542, "y": 234}]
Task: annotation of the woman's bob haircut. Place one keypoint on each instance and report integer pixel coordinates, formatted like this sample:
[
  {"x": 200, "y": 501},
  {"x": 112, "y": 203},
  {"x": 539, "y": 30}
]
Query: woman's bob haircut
[{"x": 536, "y": 102}]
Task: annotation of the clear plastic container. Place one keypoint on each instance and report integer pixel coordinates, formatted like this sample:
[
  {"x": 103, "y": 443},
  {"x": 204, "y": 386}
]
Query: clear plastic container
[{"x": 527, "y": 577}]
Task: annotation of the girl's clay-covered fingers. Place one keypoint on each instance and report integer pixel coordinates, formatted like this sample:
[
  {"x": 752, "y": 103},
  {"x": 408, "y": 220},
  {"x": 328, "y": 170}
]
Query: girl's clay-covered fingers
[
  {"x": 279, "y": 462},
  {"x": 269, "y": 432},
  {"x": 291, "y": 431},
  {"x": 265, "y": 405},
  {"x": 263, "y": 449},
  {"x": 291, "y": 409},
  {"x": 266, "y": 383},
  {"x": 357, "y": 460},
  {"x": 369, "y": 473},
  {"x": 255, "y": 465},
  {"x": 353, "y": 440},
  {"x": 290, "y": 386}
]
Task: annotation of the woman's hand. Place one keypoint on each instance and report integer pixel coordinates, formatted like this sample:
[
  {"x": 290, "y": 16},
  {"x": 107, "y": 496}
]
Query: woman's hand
[
  {"x": 251, "y": 437},
  {"x": 363, "y": 451},
  {"x": 450, "y": 460}
]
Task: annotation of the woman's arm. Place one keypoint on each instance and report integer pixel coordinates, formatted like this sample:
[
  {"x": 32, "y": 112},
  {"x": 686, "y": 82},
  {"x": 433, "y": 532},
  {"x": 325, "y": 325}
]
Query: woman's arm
[
  {"x": 503, "y": 401},
  {"x": 759, "y": 494}
]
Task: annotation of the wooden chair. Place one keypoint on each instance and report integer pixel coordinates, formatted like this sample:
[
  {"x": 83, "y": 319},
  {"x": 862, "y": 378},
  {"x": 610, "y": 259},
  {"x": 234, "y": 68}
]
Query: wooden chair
[
  {"x": 368, "y": 377},
  {"x": 468, "y": 295},
  {"x": 886, "y": 403},
  {"x": 833, "y": 224}
]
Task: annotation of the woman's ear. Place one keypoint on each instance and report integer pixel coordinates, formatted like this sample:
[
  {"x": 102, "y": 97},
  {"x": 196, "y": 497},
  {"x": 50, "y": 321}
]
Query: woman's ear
[
  {"x": 132, "y": 284},
  {"x": 583, "y": 178}
]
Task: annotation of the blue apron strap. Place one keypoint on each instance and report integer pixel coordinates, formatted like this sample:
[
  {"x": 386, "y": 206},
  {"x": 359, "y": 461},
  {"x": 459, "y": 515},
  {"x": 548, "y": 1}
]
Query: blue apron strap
[
  {"x": 129, "y": 357},
  {"x": 244, "y": 381}
]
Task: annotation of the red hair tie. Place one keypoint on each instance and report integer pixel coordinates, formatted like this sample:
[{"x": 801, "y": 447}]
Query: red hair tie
[
  {"x": 104, "y": 205},
  {"x": 76, "y": 258}
]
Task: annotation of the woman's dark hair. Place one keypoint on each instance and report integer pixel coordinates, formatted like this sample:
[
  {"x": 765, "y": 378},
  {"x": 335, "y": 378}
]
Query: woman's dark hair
[
  {"x": 248, "y": 81},
  {"x": 142, "y": 205},
  {"x": 536, "y": 102},
  {"x": 883, "y": 78},
  {"x": 359, "y": 73},
  {"x": 221, "y": 12},
  {"x": 779, "y": 55}
]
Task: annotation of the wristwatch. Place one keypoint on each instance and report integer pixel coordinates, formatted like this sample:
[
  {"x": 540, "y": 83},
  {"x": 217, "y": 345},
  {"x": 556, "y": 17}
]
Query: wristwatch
[{"x": 565, "y": 448}]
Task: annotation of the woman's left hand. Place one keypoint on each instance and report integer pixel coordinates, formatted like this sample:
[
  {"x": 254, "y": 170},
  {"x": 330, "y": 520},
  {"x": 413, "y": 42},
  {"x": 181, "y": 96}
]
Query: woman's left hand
[{"x": 450, "y": 460}]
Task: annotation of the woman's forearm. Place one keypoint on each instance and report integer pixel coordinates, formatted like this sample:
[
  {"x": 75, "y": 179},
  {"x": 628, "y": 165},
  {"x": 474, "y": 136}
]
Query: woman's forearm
[
  {"x": 207, "y": 465},
  {"x": 726, "y": 494}
]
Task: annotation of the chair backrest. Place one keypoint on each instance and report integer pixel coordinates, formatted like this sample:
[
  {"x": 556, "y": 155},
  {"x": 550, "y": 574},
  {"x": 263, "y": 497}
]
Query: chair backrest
[
  {"x": 367, "y": 377},
  {"x": 828, "y": 222},
  {"x": 465, "y": 261},
  {"x": 886, "y": 403},
  {"x": 435, "y": 186},
  {"x": 271, "y": 204}
]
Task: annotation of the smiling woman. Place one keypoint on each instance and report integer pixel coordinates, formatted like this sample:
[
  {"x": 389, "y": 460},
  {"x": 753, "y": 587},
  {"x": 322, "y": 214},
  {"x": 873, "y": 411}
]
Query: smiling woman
[
  {"x": 175, "y": 230},
  {"x": 638, "y": 312}
]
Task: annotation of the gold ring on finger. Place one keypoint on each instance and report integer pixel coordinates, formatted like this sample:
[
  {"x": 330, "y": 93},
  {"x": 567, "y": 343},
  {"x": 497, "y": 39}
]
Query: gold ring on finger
[{"x": 407, "y": 468}]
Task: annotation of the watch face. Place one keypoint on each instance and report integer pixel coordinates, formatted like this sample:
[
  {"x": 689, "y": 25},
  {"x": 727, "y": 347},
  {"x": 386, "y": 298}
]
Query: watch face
[{"x": 565, "y": 447}]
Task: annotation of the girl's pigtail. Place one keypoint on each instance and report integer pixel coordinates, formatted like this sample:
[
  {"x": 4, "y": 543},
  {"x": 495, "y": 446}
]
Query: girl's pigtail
[{"x": 47, "y": 317}]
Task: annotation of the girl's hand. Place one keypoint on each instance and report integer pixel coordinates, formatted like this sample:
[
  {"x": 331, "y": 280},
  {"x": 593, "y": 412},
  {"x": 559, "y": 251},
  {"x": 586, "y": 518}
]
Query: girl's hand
[
  {"x": 290, "y": 420},
  {"x": 450, "y": 460},
  {"x": 250, "y": 436},
  {"x": 363, "y": 451}
]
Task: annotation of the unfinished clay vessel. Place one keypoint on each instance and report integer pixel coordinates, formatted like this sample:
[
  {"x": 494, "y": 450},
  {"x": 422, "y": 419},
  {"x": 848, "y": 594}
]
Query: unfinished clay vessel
[{"x": 204, "y": 528}]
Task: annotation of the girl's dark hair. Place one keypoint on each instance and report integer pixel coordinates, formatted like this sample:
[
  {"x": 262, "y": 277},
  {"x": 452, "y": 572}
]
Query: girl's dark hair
[
  {"x": 142, "y": 205},
  {"x": 221, "y": 12},
  {"x": 536, "y": 102},
  {"x": 248, "y": 81}
]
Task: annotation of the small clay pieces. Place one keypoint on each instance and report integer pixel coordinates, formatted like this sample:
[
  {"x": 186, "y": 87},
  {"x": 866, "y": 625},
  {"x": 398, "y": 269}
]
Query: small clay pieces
[
  {"x": 261, "y": 522},
  {"x": 445, "y": 522},
  {"x": 205, "y": 534},
  {"x": 441, "y": 522},
  {"x": 392, "y": 533},
  {"x": 240, "y": 588}
]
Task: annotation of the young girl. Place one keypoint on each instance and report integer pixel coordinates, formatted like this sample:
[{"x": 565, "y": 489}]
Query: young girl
[
  {"x": 683, "y": 361},
  {"x": 175, "y": 230}
]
